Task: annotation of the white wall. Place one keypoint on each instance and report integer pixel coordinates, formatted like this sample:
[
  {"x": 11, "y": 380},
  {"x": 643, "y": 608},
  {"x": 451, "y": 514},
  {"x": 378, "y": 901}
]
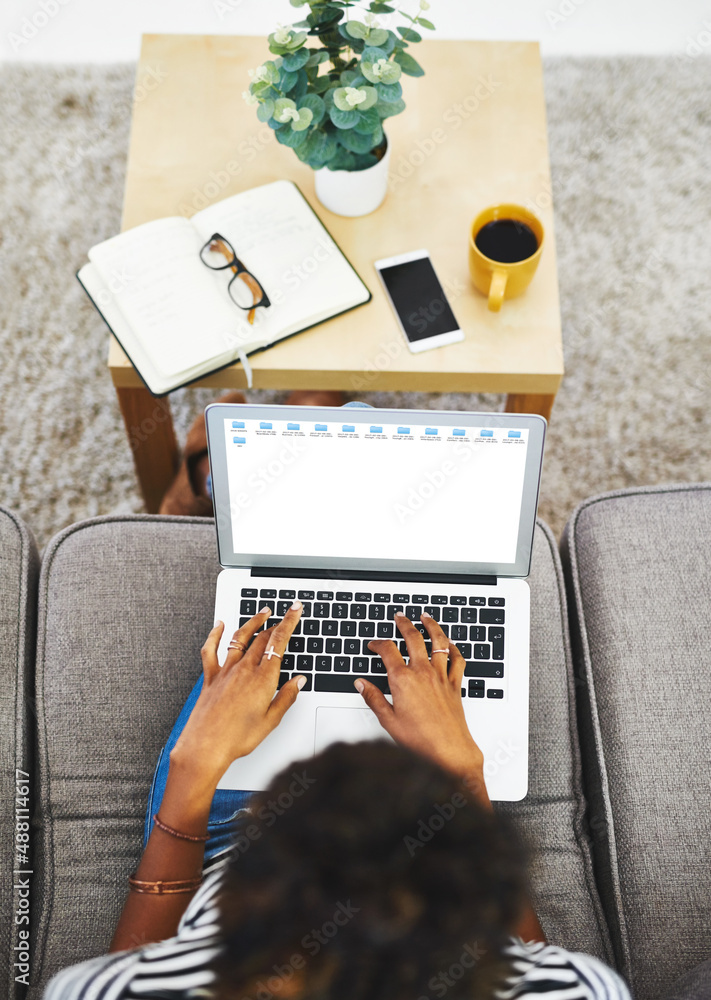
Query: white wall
[{"x": 109, "y": 30}]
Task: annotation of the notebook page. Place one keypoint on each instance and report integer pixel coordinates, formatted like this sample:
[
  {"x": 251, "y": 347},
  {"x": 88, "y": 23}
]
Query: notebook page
[
  {"x": 168, "y": 297},
  {"x": 282, "y": 242}
]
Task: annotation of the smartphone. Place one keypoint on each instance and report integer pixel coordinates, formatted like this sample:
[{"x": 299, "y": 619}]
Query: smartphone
[{"x": 418, "y": 300}]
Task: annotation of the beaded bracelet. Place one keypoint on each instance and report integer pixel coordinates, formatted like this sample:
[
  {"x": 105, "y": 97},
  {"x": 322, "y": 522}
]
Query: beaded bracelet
[{"x": 176, "y": 833}]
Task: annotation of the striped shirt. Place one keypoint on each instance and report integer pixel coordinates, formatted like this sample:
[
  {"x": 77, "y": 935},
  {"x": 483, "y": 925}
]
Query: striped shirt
[{"x": 181, "y": 967}]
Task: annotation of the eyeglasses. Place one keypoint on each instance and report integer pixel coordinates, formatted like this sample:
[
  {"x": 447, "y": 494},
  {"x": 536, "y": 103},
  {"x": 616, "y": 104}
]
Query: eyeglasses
[{"x": 244, "y": 289}]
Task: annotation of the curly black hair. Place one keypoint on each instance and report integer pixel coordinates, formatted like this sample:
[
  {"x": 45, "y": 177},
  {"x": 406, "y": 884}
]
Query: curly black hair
[{"x": 368, "y": 873}]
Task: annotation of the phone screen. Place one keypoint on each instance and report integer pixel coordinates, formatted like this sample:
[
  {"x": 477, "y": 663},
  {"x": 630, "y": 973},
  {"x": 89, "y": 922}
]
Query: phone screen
[{"x": 419, "y": 299}]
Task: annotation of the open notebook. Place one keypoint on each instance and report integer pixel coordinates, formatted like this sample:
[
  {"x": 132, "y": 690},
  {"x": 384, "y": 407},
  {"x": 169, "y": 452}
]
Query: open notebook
[{"x": 174, "y": 317}]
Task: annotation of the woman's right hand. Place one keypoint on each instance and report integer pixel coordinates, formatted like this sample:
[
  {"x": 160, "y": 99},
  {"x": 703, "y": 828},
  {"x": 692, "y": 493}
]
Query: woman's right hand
[{"x": 427, "y": 714}]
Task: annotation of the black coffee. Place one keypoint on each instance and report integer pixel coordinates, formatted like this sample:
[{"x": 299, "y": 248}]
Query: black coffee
[{"x": 506, "y": 240}]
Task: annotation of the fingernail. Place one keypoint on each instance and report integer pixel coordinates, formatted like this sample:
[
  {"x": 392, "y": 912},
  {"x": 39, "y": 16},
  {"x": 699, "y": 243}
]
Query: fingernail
[
  {"x": 300, "y": 681},
  {"x": 217, "y": 623},
  {"x": 359, "y": 686},
  {"x": 426, "y": 614},
  {"x": 296, "y": 605},
  {"x": 399, "y": 614},
  {"x": 263, "y": 611}
]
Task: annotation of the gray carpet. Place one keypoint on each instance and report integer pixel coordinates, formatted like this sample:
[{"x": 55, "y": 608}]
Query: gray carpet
[{"x": 630, "y": 142}]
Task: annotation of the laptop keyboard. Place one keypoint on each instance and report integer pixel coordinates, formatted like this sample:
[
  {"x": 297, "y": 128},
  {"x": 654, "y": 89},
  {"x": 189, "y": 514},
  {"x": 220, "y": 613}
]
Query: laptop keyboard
[{"x": 330, "y": 644}]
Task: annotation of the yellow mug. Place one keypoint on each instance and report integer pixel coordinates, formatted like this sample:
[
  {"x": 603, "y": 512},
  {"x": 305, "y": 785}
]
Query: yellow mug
[{"x": 496, "y": 279}]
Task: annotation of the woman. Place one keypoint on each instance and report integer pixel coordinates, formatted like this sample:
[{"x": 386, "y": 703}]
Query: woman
[{"x": 370, "y": 871}]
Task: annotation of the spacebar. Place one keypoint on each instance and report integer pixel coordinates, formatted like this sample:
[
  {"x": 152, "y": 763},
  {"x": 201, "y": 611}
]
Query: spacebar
[{"x": 344, "y": 683}]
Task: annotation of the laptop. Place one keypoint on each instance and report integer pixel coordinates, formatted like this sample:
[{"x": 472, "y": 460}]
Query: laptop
[{"x": 360, "y": 513}]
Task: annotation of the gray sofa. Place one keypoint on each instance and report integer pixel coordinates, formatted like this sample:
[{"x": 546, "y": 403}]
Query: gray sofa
[{"x": 100, "y": 645}]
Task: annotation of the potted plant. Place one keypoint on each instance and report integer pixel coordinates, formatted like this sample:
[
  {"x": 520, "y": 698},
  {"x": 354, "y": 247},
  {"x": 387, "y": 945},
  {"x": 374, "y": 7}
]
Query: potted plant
[{"x": 328, "y": 101}]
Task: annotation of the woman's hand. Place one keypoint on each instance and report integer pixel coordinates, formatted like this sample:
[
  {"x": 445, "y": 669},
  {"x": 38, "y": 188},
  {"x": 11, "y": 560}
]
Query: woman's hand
[
  {"x": 427, "y": 714},
  {"x": 236, "y": 708}
]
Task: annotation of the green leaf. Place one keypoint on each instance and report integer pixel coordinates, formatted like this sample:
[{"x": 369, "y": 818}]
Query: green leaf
[
  {"x": 371, "y": 96},
  {"x": 425, "y": 23},
  {"x": 409, "y": 65},
  {"x": 371, "y": 54},
  {"x": 297, "y": 3},
  {"x": 287, "y": 81},
  {"x": 356, "y": 142},
  {"x": 340, "y": 101},
  {"x": 265, "y": 110},
  {"x": 321, "y": 84},
  {"x": 305, "y": 117},
  {"x": 315, "y": 105},
  {"x": 348, "y": 76},
  {"x": 390, "y": 109},
  {"x": 357, "y": 30},
  {"x": 389, "y": 91},
  {"x": 295, "y": 60},
  {"x": 343, "y": 119},
  {"x": 409, "y": 34},
  {"x": 291, "y": 137},
  {"x": 368, "y": 121},
  {"x": 282, "y": 105},
  {"x": 381, "y": 8},
  {"x": 316, "y": 57},
  {"x": 377, "y": 36},
  {"x": 319, "y": 148}
]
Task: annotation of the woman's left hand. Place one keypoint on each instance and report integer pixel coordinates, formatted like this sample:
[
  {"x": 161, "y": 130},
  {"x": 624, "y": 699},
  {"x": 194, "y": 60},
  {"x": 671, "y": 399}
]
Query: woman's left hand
[{"x": 236, "y": 708}]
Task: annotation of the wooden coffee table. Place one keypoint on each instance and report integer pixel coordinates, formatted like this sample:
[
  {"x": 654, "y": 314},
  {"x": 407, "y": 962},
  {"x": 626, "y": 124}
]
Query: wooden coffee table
[{"x": 473, "y": 134}]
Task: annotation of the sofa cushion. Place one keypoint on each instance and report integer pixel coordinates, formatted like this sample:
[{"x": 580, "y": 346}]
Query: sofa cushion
[
  {"x": 639, "y": 565},
  {"x": 19, "y": 569},
  {"x": 125, "y": 604},
  {"x": 694, "y": 985},
  {"x": 551, "y": 819}
]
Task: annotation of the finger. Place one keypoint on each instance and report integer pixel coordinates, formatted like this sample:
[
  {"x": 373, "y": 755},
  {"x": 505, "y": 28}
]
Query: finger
[
  {"x": 244, "y": 636},
  {"x": 377, "y": 703},
  {"x": 389, "y": 654},
  {"x": 440, "y": 641},
  {"x": 256, "y": 651},
  {"x": 285, "y": 698},
  {"x": 413, "y": 640},
  {"x": 457, "y": 663},
  {"x": 280, "y": 637},
  {"x": 208, "y": 653}
]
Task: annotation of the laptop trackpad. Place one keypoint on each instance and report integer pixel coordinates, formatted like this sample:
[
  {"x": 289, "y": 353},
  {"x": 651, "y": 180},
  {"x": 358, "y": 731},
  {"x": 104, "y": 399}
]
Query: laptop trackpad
[{"x": 349, "y": 725}]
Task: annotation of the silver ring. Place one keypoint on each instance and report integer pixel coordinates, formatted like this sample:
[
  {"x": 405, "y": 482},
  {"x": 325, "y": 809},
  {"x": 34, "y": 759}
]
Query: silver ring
[
  {"x": 237, "y": 645},
  {"x": 440, "y": 651}
]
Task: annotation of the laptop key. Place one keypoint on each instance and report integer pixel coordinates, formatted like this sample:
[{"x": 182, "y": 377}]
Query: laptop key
[
  {"x": 477, "y": 633},
  {"x": 243, "y": 621},
  {"x": 287, "y": 595},
  {"x": 420, "y": 599},
  {"x": 434, "y": 611},
  {"x": 465, "y": 648},
  {"x": 344, "y": 595},
  {"x": 283, "y": 678},
  {"x": 267, "y": 593},
  {"x": 496, "y": 602},
  {"x": 342, "y": 664},
  {"x": 288, "y": 661},
  {"x": 339, "y": 610},
  {"x": 249, "y": 592},
  {"x": 363, "y": 597},
  {"x": 477, "y": 668},
  {"x": 385, "y": 630},
  {"x": 248, "y": 608},
  {"x": 492, "y": 616},
  {"x": 360, "y": 665},
  {"x": 494, "y": 693},
  {"x": 475, "y": 692},
  {"x": 382, "y": 598},
  {"x": 306, "y": 595},
  {"x": 413, "y": 612},
  {"x": 380, "y": 682},
  {"x": 309, "y": 685},
  {"x": 268, "y": 604},
  {"x": 367, "y": 630},
  {"x": 321, "y": 609},
  {"x": 458, "y": 600},
  {"x": 351, "y": 646},
  {"x": 282, "y": 608},
  {"x": 334, "y": 645},
  {"x": 329, "y": 628},
  {"x": 482, "y": 651},
  {"x": 459, "y": 633},
  {"x": 342, "y": 683},
  {"x": 366, "y": 651},
  {"x": 348, "y": 628},
  {"x": 306, "y": 610},
  {"x": 378, "y": 667},
  {"x": 324, "y": 663},
  {"x": 314, "y": 645},
  {"x": 450, "y": 614},
  {"x": 391, "y": 609},
  {"x": 311, "y": 626},
  {"x": 297, "y": 644},
  {"x": 324, "y": 595},
  {"x": 376, "y": 612},
  {"x": 477, "y": 601},
  {"x": 403, "y": 598},
  {"x": 439, "y": 599},
  {"x": 358, "y": 611},
  {"x": 496, "y": 638},
  {"x": 304, "y": 662},
  {"x": 469, "y": 615}
]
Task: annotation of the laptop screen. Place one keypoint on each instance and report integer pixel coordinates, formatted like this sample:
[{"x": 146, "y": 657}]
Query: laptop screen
[{"x": 385, "y": 489}]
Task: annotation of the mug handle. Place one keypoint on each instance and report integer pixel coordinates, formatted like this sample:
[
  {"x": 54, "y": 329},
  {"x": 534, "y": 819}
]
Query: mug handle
[{"x": 496, "y": 290}]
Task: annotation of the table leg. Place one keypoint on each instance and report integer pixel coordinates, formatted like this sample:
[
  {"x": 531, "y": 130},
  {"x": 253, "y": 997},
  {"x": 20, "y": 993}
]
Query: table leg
[
  {"x": 149, "y": 427},
  {"x": 524, "y": 403}
]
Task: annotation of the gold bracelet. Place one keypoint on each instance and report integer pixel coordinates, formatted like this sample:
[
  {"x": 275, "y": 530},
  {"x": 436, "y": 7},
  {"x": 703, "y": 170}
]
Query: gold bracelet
[{"x": 163, "y": 888}]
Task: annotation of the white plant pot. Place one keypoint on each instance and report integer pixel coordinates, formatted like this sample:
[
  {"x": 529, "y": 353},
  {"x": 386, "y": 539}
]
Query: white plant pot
[{"x": 353, "y": 192}]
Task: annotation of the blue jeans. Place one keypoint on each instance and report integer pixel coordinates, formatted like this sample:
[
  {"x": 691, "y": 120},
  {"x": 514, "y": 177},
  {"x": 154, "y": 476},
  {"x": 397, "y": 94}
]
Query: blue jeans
[{"x": 227, "y": 802}]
